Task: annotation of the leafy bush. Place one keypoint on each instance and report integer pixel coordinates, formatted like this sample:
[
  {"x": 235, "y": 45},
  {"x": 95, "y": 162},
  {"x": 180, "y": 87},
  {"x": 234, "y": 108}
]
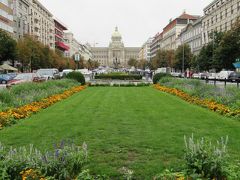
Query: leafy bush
[
  {"x": 206, "y": 160},
  {"x": 76, "y": 76},
  {"x": 229, "y": 96},
  {"x": 203, "y": 160},
  {"x": 26, "y": 93},
  {"x": 119, "y": 76},
  {"x": 159, "y": 76},
  {"x": 66, "y": 161}
]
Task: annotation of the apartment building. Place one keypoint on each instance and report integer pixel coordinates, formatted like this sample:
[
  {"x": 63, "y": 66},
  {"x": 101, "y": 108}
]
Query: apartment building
[
  {"x": 155, "y": 45},
  {"x": 41, "y": 24},
  {"x": 21, "y": 18},
  {"x": 72, "y": 43},
  {"x": 219, "y": 16},
  {"x": 192, "y": 35},
  {"x": 59, "y": 29},
  {"x": 172, "y": 31},
  {"x": 85, "y": 51},
  {"x": 145, "y": 51},
  {"x": 6, "y": 15}
]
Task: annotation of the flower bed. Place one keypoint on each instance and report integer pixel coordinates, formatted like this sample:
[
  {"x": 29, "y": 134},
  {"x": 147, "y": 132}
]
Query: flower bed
[
  {"x": 12, "y": 115},
  {"x": 210, "y": 104}
]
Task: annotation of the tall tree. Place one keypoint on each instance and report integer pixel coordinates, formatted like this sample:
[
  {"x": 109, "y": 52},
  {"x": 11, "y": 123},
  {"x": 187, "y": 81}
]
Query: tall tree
[
  {"x": 184, "y": 56},
  {"x": 132, "y": 62},
  {"x": 142, "y": 64},
  {"x": 8, "y": 49},
  {"x": 229, "y": 49}
]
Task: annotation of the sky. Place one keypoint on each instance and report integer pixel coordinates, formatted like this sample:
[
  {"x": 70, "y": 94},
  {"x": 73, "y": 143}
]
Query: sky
[{"x": 94, "y": 21}]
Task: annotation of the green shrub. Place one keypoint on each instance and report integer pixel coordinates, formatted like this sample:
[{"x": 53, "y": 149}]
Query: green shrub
[
  {"x": 228, "y": 96},
  {"x": 26, "y": 93},
  {"x": 66, "y": 161},
  {"x": 76, "y": 76},
  {"x": 159, "y": 76},
  {"x": 205, "y": 159},
  {"x": 119, "y": 76}
]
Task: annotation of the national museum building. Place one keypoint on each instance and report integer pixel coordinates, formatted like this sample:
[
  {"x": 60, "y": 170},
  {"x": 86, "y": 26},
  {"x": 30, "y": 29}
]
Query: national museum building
[{"x": 116, "y": 54}]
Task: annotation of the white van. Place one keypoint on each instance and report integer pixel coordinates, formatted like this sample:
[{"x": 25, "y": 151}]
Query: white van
[{"x": 224, "y": 74}]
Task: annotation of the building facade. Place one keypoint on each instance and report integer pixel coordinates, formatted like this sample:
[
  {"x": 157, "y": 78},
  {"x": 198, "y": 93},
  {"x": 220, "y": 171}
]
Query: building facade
[
  {"x": 21, "y": 18},
  {"x": 72, "y": 43},
  {"x": 85, "y": 52},
  {"x": 6, "y": 15},
  {"x": 192, "y": 35},
  {"x": 172, "y": 31},
  {"x": 145, "y": 51},
  {"x": 116, "y": 53},
  {"x": 41, "y": 24},
  {"x": 155, "y": 45},
  {"x": 219, "y": 16},
  {"x": 59, "y": 29}
]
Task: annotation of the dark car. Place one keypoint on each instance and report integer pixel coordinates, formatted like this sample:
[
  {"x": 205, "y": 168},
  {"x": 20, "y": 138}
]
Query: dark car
[
  {"x": 5, "y": 78},
  {"x": 234, "y": 76}
]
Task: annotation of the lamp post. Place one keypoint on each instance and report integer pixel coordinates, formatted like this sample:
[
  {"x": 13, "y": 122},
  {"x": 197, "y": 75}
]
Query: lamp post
[{"x": 183, "y": 59}]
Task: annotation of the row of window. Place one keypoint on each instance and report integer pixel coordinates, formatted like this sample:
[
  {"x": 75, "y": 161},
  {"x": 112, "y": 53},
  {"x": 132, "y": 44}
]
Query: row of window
[
  {"x": 216, "y": 5},
  {"x": 5, "y": 2},
  {"x": 219, "y": 17},
  {"x": 6, "y": 27},
  {"x": 6, "y": 15},
  {"x": 192, "y": 33}
]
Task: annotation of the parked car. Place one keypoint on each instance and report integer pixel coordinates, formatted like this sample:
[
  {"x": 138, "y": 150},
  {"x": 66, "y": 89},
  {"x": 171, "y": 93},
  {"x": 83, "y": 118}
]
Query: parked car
[
  {"x": 5, "y": 78},
  {"x": 212, "y": 76},
  {"x": 224, "y": 74},
  {"x": 234, "y": 76},
  {"x": 175, "y": 74},
  {"x": 23, "y": 78},
  {"x": 49, "y": 73},
  {"x": 203, "y": 75},
  {"x": 196, "y": 76},
  {"x": 65, "y": 72}
]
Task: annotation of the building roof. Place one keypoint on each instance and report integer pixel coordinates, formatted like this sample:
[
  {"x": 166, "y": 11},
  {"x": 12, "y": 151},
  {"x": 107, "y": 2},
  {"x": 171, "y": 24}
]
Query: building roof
[
  {"x": 187, "y": 16},
  {"x": 116, "y": 33},
  {"x": 64, "y": 27}
]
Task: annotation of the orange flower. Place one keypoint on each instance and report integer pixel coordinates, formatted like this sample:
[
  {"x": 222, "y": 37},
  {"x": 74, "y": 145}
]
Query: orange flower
[
  {"x": 26, "y": 110},
  {"x": 212, "y": 105}
]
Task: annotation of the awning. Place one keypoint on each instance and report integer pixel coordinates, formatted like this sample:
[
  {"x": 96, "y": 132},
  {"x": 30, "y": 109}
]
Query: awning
[
  {"x": 236, "y": 65},
  {"x": 8, "y": 67}
]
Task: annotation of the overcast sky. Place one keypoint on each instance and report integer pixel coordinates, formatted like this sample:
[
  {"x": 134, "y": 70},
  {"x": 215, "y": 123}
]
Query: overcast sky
[{"x": 94, "y": 21}]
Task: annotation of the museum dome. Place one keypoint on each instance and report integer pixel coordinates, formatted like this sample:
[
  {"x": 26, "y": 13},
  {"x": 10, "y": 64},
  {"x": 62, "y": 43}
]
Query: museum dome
[{"x": 116, "y": 34}]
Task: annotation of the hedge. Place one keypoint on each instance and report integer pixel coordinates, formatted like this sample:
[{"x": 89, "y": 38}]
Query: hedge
[{"x": 119, "y": 77}]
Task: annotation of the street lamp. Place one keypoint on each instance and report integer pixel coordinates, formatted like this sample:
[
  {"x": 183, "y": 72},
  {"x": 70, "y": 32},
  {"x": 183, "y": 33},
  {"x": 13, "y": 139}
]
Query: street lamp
[{"x": 183, "y": 59}]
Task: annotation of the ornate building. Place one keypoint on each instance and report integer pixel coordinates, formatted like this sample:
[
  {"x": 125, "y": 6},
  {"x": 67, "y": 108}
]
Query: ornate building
[{"x": 116, "y": 53}]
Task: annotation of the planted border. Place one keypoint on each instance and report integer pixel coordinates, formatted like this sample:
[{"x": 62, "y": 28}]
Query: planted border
[
  {"x": 210, "y": 104},
  {"x": 10, "y": 116}
]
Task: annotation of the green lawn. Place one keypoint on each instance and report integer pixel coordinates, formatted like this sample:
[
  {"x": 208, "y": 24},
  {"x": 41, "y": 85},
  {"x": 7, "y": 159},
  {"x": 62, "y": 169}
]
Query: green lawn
[{"x": 139, "y": 128}]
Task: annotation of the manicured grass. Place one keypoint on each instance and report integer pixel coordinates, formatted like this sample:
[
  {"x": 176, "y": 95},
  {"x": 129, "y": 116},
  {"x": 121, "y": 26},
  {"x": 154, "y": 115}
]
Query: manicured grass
[{"x": 136, "y": 127}]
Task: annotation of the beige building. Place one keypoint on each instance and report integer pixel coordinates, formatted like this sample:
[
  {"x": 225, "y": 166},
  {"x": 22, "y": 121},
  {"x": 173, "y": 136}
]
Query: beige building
[
  {"x": 192, "y": 35},
  {"x": 72, "y": 43},
  {"x": 220, "y": 15},
  {"x": 41, "y": 24},
  {"x": 155, "y": 45},
  {"x": 21, "y": 18},
  {"x": 145, "y": 51},
  {"x": 6, "y": 15},
  {"x": 116, "y": 53},
  {"x": 172, "y": 31}
]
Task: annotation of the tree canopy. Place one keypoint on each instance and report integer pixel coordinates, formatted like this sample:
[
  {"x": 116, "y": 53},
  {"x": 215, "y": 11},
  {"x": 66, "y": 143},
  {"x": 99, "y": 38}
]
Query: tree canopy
[{"x": 8, "y": 45}]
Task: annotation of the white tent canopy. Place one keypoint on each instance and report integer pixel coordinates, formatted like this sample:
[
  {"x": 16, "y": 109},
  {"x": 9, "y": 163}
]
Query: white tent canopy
[{"x": 7, "y": 67}]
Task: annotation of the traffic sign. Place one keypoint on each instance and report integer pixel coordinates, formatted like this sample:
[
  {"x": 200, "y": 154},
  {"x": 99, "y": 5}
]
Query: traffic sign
[{"x": 77, "y": 57}]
